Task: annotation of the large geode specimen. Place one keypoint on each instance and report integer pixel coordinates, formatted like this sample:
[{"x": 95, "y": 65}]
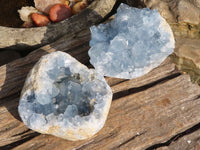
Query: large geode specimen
[
  {"x": 64, "y": 98},
  {"x": 133, "y": 43}
]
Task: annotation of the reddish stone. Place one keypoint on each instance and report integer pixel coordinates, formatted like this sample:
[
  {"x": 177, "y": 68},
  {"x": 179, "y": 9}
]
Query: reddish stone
[
  {"x": 40, "y": 20},
  {"x": 60, "y": 12}
]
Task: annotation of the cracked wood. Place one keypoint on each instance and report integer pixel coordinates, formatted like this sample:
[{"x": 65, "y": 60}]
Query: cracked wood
[{"x": 146, "y": 111}]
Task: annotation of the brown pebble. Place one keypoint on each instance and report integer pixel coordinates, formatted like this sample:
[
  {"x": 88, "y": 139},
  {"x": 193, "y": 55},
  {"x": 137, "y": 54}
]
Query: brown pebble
[
  {"x": 40, "y": 20},
  {"x": 60, "y": 12},
  {"x": 78, "y": 7}
]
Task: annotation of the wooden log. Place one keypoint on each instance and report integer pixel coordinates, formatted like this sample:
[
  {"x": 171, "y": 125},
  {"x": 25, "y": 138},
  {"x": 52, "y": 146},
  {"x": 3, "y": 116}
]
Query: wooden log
[
  {"x": 7, "y": 56},
  {"x": 12, "y": 77},
  {"x": 139, "y": 120},
  {"x": 187, "y": 140},
  {"x": 13, "y": 129}
]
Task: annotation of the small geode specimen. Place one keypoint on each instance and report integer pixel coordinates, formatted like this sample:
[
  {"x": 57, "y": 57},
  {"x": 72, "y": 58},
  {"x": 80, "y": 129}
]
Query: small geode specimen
[
  {"x": 64, "y": 98},
  {"x": 133, "y": 43}
]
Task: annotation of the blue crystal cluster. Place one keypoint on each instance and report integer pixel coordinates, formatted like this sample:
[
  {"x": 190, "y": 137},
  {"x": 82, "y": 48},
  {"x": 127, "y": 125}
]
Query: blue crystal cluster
[
  {"x": 133, "y": 43},
  {"x": 62, "y": 93}
]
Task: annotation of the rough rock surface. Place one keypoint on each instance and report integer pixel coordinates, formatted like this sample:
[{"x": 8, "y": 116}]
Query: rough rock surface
[
  {"x": 135, "y": 42},
  {"x": 64, "y": 98}
]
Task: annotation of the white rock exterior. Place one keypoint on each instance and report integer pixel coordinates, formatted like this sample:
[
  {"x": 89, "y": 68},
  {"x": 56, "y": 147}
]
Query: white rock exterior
[
  {"x": 64, "y": 98},
  {"x": 132, "y": 44}
]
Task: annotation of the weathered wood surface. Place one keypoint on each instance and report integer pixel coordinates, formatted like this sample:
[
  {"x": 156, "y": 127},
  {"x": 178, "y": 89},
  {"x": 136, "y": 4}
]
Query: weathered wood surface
[
  {"x": 188, "y": 140},
  {"x": 157, "y": 111},
  {"x": 139, "y": 120},
  {"x": 145, "y": 111}
]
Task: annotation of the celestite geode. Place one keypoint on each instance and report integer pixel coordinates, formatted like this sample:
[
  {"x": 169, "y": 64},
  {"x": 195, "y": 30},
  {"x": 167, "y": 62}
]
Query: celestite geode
[
  {"x": 64, "y": 98},
  {"x": 132, "y": 44}
]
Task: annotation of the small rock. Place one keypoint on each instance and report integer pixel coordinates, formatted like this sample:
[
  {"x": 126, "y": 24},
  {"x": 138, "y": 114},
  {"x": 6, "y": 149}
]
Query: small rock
[
  {"x": 40, "y": 20},
  {"x": 60, "y": 12},
  {"x": 78, "y": 7},
  {"x": 64, "y": 98},
  {"x": 45, "y": 5}
]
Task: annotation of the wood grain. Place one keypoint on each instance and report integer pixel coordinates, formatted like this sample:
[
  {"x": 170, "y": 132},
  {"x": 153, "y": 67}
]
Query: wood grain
[
  {"x": 189, "y": 142},
  {"x": 145, "y": 111},
  {"x": 13, "y": 131},
  {"x": 139, "y": 120}
]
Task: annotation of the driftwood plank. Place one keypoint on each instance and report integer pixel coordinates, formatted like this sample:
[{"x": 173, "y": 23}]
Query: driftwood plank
[
  {"x": 188, "y": 141},
  {"x": 145, "y": 111},
  {"x": 13, "y": 132},
  {"x": 14, "y": 73},
  {"x": 139, "y": 120}
]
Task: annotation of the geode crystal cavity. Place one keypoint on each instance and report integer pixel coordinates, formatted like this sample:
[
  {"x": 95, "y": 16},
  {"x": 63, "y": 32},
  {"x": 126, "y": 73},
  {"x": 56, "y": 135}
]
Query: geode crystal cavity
[
  {"x": 64, "y": 98},
  {"x": 133, "y": 43}
]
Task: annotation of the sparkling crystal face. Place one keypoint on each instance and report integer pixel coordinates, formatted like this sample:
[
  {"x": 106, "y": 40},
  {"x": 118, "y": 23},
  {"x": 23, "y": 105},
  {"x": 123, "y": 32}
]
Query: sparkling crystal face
[
  {"x": 60, "y": 91},
  {"x": 80, "y": 104},
  {"x": 133, "y": 43},
  {"x": 68, "y": 96}
]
